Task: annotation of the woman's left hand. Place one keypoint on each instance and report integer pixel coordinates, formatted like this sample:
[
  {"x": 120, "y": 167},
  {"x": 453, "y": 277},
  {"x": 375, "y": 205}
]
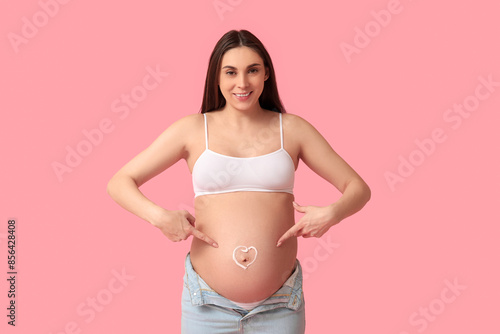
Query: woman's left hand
[{"x": 315, "y": 222}]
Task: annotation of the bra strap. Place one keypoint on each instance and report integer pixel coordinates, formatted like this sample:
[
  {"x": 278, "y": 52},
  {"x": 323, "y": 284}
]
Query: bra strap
[
  {"x": 206, "y": 131},
  {"x": 281, "y": 130}
]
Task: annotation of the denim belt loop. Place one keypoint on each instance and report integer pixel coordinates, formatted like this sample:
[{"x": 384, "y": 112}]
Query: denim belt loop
[
  {"x": 297, "y": 294},
  {"x": 193, "y": 285}
]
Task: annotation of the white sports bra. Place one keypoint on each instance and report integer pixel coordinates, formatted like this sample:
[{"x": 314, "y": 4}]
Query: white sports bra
[{"x": 215, "y": 173}]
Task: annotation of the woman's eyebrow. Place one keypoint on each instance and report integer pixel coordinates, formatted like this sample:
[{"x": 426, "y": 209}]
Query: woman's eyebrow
[{"x": 234, "y": 68}]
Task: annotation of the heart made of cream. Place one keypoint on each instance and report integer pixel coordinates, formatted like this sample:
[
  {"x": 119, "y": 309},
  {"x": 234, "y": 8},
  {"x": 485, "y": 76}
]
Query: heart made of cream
[{"x": 244, "y": 249}]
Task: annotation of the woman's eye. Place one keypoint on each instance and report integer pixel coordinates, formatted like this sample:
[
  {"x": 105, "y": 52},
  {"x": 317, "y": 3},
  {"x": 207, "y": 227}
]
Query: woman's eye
[{"x": 232, "y": 73}]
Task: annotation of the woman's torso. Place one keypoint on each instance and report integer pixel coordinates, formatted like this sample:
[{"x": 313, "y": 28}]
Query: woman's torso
[
  {"x": 247, "y": 219},
  {"x": 243, "y": 219}
]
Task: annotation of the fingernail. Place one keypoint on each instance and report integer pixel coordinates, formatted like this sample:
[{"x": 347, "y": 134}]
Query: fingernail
[
  {"x": 278, "y": 244},
  {"x": 215, "y": 245}
]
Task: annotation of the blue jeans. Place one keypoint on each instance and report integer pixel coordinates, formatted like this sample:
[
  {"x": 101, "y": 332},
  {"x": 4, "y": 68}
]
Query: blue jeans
[{"x": 204, "y": 311}]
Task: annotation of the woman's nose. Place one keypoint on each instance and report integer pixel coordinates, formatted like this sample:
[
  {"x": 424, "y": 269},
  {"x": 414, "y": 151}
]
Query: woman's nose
[{"x": 243, "y": 81}]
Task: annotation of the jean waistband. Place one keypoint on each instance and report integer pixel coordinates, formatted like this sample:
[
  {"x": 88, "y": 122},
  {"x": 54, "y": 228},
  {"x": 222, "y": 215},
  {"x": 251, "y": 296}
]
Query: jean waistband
[{"x": 289, "y": 295}]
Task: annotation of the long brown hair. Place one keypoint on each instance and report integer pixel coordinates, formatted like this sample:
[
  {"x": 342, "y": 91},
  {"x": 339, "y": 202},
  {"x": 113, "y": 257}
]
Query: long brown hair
[{"x": 212, "y": 96}]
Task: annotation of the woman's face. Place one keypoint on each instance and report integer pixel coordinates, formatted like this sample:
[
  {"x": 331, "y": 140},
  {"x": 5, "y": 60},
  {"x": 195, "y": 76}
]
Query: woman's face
[{"x": 242, "y": 77}]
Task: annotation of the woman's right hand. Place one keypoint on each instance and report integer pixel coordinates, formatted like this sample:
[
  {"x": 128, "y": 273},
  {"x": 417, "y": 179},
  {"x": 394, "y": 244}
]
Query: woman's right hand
[{"x": 178, "y": 225}]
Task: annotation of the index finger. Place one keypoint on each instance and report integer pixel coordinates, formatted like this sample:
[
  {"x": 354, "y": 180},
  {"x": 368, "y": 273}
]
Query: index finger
[
  {"x": 288, "y": 234},
  {"x": 202, "y": 236}
]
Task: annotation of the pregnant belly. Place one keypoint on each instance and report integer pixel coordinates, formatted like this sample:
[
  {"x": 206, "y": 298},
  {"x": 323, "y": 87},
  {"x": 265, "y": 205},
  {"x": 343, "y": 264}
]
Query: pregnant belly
[{"x": 247, "y": 266}]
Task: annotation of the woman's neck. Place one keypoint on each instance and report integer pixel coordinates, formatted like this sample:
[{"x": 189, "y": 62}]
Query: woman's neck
[{"x": 241, "y": 118}]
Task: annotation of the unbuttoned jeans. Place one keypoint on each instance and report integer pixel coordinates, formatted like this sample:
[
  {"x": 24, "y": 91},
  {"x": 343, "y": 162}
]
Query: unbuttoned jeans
[{"x": 204, "y": 311}]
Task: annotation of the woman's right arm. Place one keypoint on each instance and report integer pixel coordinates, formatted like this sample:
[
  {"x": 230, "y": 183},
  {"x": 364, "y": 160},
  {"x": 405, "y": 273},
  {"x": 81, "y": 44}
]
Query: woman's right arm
[{"x": 165, "y": 151}]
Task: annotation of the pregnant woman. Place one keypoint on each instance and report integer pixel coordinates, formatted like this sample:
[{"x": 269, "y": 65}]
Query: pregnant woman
[{"x": 242, "y": 274}]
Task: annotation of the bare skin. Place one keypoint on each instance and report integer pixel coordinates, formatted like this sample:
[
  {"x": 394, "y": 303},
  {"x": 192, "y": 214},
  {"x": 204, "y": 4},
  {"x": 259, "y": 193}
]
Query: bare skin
[
  {"x": 259, "y": 219},
  {"x": 254, "y": 220}
]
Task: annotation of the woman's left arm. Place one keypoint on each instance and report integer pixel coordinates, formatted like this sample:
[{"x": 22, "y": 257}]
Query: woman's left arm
[{"x": 318, "y": 155}]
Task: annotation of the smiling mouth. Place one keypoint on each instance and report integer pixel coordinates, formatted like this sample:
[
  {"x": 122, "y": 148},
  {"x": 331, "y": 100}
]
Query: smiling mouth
[{"x": 242, "y": 95}]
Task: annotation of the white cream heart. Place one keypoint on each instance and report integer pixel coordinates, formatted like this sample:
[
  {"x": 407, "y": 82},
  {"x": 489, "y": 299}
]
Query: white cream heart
[{"x": 244, "y": 249}]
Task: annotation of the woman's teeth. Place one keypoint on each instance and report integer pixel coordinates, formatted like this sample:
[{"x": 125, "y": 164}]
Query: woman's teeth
[{"x": 243, "y": 95}]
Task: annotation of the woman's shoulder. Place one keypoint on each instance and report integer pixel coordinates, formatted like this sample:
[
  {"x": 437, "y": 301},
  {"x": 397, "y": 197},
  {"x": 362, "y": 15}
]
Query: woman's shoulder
[
  {"x": 187, "y": 123},
  {"x": 191, "y": 118},
  {"x": 182, "y": 129},
  {"x": 295, "y": 122}
]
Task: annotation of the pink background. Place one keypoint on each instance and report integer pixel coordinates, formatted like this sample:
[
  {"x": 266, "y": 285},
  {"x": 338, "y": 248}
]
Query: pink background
[{"x": 380, "y": 271}]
